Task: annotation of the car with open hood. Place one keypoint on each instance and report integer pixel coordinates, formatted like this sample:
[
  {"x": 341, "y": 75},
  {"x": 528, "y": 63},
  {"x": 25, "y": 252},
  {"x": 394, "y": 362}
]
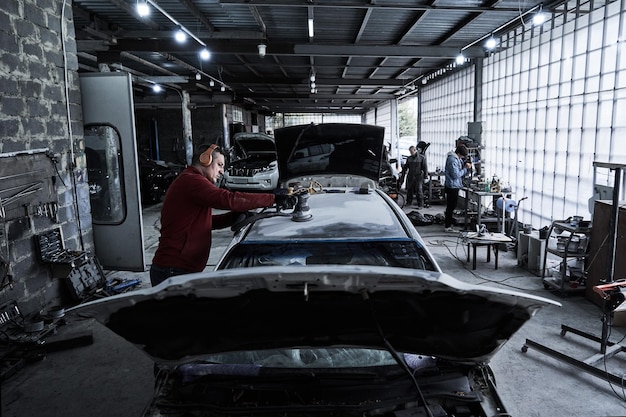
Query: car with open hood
[
  {"x": 332, "y": 307},
  {"x": 253, "y": 165},
  {"x": 338, "y": 340},
  {"x": 340, "y": 215}
]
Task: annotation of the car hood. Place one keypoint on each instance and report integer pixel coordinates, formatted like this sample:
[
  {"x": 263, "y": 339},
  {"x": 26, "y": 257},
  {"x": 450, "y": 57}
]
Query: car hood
[
  {"x": 330, "y": 149},
  {"x": 421, "y": 312},
  {"x": 253, "y": 144}
]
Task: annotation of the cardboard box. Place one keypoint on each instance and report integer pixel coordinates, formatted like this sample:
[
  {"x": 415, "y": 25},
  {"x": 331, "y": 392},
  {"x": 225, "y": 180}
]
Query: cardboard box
[{"x": 619, "y": 316}]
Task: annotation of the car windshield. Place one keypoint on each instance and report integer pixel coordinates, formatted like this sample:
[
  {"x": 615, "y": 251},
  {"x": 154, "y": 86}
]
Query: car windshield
[
  {"x": 396, "y": 253},
  {"x": 319, "y": 358}
]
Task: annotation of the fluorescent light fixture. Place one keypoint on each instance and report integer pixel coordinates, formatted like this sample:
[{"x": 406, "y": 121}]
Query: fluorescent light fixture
[
  {"x": 143, "y": 9},
  {"x": 311, "y": 31},
  {"x": 180, "y": 36},
  {"x": 157, "y": 88},
  {"x": 205, "y": 54},
  {"x": 491, "y": 43},
  {"x": 460, "y": 59}
]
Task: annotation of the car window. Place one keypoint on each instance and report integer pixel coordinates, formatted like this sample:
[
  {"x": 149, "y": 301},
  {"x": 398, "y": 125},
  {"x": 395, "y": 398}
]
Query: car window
[
  {"x": 395, "y": 253},
  {"x": 305, "y": 358}
]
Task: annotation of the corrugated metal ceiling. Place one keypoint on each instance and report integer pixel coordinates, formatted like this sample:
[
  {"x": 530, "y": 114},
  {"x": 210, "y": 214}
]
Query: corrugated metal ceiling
[{"x": 362, "y": 53}]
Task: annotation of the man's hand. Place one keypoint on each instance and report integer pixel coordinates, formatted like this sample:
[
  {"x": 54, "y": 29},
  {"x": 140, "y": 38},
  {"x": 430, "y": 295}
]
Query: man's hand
[{"x": 284, "y": 199}]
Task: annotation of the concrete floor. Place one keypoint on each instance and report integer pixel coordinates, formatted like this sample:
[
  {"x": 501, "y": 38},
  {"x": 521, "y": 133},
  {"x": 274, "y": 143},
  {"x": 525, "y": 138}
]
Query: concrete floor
[{"x": 112, "y": 378}]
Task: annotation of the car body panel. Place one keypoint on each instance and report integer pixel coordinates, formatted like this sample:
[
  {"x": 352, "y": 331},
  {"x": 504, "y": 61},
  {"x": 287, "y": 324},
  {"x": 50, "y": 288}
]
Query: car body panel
[
  {"x": 253, "y": 166},
  {"x": 336, "y": 216},
  {"x": 346, "y": 226},
  {"x": 426, "y": 313}
]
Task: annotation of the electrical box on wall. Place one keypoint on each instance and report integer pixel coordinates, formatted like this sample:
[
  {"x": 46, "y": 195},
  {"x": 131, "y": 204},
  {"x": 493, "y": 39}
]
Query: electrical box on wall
[{"x": 475, "y": 131}]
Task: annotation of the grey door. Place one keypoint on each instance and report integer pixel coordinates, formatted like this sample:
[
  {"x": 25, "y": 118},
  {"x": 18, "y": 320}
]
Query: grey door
[{"x": 112, "y": 169}]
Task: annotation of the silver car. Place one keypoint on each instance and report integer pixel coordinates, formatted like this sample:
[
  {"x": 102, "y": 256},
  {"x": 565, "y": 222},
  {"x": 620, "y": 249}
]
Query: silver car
[
  {"x": 341, "y": 217},
  {"x": 333, "y": 307},
  {"x": 253, "y": 166}
]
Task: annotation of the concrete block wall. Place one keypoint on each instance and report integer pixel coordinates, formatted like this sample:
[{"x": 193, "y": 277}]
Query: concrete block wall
[{"x": 34, "y": 123}]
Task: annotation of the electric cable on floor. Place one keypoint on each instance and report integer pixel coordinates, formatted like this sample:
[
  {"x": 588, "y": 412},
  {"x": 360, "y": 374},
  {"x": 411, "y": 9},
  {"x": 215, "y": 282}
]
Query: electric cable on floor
[
  {"x": 623, "y": 396},
  {"x": 486, "y": 280}
]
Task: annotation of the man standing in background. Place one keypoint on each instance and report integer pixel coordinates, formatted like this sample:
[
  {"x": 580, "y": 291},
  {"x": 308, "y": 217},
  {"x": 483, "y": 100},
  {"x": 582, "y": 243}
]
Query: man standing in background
[
  {"x": 415, "y": 170},
  {"x": 456, "y": 168}
]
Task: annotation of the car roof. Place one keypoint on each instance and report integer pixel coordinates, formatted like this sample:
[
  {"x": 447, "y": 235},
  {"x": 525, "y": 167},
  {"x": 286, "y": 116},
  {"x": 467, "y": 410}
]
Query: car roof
[{"x": 344, "y": 214}]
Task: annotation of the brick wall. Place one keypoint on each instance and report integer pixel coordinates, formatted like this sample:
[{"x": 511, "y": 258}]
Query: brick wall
[{"x": 34, "y": 130}]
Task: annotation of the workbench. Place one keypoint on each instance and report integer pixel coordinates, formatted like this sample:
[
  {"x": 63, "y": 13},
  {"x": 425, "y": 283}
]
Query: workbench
[{"x": 490, "y": 240}]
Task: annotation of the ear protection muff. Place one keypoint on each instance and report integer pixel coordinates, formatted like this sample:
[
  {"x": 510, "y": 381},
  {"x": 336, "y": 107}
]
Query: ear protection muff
[{"x": 206, "y": 157}]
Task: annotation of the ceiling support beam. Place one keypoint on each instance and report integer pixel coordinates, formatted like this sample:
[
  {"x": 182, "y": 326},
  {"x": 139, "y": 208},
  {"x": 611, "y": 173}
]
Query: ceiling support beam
[{"x": 247, "y": 48}]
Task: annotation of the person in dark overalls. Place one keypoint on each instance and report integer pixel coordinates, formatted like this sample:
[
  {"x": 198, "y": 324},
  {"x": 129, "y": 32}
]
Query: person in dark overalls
[{"x": 415, "y": 169}]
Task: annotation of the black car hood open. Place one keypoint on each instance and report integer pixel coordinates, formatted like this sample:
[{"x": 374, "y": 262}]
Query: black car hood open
[
  {"x": 421, "y": 312},
  {"x": 254, "y": 144},
  {"x": 330, "y": 149}
]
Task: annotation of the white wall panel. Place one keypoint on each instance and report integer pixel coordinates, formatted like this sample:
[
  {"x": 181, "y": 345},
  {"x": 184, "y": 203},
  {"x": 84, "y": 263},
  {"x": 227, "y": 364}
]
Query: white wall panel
[
  {"x": 568, "y": 110},
  {"x": 446, "y": 108},
  {"x": 552, "y": 105}
]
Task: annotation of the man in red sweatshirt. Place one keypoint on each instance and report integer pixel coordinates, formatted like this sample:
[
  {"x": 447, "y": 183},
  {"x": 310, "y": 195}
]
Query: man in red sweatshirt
[{"x": 187, "y": 219}]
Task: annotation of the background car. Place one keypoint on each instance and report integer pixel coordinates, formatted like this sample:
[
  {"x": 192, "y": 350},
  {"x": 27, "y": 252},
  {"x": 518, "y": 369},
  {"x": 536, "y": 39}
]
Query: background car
[
  {"x": 253, "y": 165},
  {"x": 155, "y": 178},
  {"x": 340, "y": 217}
]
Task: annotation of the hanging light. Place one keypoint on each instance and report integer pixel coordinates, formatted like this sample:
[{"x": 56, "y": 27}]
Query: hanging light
[
  {"x": 222, "y": 88},
  {"x": 143, "y": 9},
  {"x": 198, "y": 76},
  {"x": 312, "y": 78},
  {"x": 262, "y": 48},
  {"x": 539, "y": 18},
  {"x": 180, "y": 36},
  {"x": 211, "y": 83},
  {"x": 491, "y": 43},
  {"x": 205, "y": 54},
  {"x": 157, "y": 88},
  {"x": 460, "y": 59}
]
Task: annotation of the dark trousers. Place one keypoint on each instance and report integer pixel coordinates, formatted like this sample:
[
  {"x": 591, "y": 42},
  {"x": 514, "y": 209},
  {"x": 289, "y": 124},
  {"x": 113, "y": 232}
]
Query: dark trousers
[
  {"x": 158, "y": 274},
  {"x": 452, "y": 198},
  {"x": 415, "y": 187}
]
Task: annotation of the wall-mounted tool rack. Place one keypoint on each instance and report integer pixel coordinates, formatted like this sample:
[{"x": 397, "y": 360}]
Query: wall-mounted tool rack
[{"x": 27, "y": 190}]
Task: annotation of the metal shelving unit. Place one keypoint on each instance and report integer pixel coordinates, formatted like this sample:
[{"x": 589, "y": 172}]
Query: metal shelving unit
[
  {"x": 571, "y": 244},
  {"x": 435, "y": 193}
]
